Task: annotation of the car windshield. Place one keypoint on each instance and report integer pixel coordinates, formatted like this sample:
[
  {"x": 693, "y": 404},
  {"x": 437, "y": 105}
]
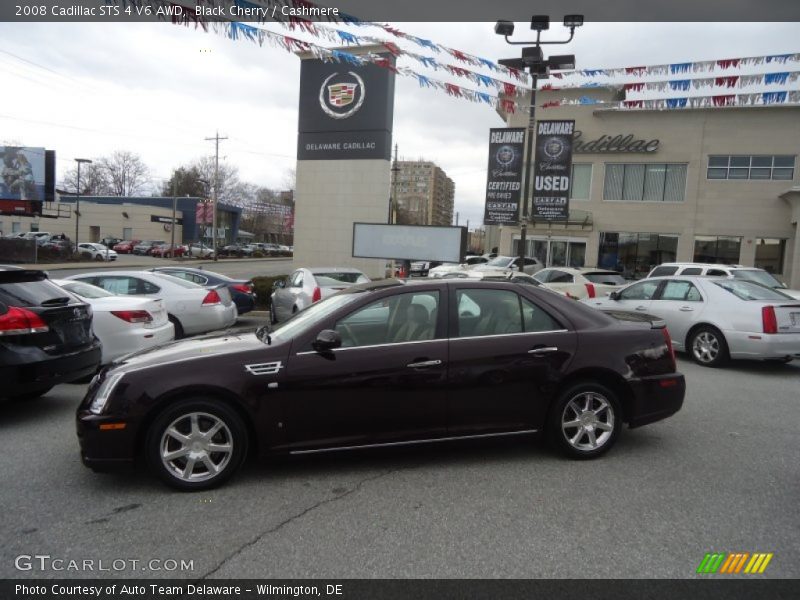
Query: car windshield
[
  {"x": 334, "y": 278},
  {"x": 85, "y": 290},
  {"x": 306, "y": 318},
  {"x": 746, "y": 290},
  {"x": 500, "y": 261},
  {"x": 606, "y": 278},
  {"x": 757, "y": 276}
]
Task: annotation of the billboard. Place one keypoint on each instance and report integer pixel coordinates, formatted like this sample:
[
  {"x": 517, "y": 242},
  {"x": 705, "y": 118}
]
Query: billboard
[
  {"x": 409, "y": 242},
  {"x": 504, "y": 178},
  {"x": 552, "y": 172},
  {"x": 22, "y": 174},
  {"x": 346, "y": 111}
]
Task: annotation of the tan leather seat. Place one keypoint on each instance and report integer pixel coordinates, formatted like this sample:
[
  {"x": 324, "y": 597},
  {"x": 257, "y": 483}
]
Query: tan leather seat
[{"x": 417, "y": 326}]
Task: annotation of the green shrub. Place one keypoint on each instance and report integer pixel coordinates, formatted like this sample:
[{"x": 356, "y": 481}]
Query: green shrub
[
  {"x": 263, "y": 287},
  {"x": 257, "y": 254}
]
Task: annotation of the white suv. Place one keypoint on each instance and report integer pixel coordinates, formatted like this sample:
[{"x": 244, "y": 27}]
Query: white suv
[{"x": 753, "y": 274}]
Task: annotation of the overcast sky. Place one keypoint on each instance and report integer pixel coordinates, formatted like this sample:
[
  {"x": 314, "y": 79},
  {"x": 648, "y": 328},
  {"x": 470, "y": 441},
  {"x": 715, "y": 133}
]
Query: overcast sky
[{"x": 159, "y": 89}]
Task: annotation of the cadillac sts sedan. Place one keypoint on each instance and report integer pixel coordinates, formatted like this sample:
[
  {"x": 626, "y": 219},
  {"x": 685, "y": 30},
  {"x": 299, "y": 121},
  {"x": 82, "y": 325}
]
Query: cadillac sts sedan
[{"x": 384, "y": 363}]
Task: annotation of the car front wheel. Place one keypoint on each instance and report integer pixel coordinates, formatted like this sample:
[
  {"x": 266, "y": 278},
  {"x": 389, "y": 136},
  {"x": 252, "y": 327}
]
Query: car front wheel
[
  {"x": 585, "y": 420},
  {"x": 196, "y": 444}
]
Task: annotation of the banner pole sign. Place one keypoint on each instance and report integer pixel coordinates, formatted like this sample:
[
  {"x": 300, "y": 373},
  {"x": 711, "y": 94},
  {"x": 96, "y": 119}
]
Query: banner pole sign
[
  {"x": 552, "y": 174},
  {"x": 504, "y": 176}
]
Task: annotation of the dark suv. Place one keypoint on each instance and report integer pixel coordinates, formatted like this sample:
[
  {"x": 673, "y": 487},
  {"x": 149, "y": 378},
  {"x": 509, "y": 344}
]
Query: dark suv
[{"x": 45, "y": 335}]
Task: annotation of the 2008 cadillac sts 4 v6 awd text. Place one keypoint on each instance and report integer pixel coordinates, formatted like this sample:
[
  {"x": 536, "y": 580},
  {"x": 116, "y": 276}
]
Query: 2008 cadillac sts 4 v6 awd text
[{"x": 384, "y": 363}]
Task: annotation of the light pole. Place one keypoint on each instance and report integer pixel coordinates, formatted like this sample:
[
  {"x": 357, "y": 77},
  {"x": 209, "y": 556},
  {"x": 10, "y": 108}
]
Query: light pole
[
  {"x": 534, "y": 62},
  {"x": 78, "y": 198}
]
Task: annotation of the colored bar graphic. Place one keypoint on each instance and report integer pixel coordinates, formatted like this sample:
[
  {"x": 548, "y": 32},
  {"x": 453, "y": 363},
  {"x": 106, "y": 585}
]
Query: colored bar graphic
[{"x": 731, "y": 563}]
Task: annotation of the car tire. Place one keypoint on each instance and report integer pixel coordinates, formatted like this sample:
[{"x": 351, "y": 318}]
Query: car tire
[
  {"x": 179, "y": 334},
  {"x": 187, "y": 460},
  {"x": 708, "y": 347},
  {"x": 99, "y": 257},
  {"x": 578, "y": 414}
]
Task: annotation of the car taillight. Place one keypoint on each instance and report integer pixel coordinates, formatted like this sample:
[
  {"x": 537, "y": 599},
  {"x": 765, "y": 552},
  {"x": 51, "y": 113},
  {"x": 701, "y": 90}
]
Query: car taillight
[
  {"x": 212, "y": 298},
  {"x": 590, "y": 289},
  {"x": 245, "y": 288},
  {"x": 20, "y": 321},
  {"x": 668, "y": 340},
  {"x": 133, "y": 316},
  {"x": 317, "y": 295},
  {"x": 768, "y": 319}
]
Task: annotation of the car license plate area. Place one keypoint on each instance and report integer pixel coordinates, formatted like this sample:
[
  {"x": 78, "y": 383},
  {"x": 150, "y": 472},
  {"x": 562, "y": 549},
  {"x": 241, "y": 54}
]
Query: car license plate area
[{"x": 794, "y": 318}]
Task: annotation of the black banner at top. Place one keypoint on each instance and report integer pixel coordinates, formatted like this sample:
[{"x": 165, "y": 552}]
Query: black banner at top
[
  {"x": 552, "y": 171},
  {"x": 504, "y": 178}
]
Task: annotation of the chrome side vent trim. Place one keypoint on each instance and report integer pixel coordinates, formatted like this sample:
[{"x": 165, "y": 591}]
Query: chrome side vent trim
[{"x": 270, "y": 368}]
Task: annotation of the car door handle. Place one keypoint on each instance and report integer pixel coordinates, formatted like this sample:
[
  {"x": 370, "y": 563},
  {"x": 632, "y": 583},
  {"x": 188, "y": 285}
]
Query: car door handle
[
  {"x": 641, "y": 308},
  {"x": 686, "y": 309},
  {"x": 423, "y": 364},
  {"x": 542, "y": 351}
]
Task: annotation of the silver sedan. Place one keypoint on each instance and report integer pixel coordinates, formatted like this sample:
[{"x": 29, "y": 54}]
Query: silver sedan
[
  {"x": 306, "y": 286},
  {"x": 716, "y": 319}
]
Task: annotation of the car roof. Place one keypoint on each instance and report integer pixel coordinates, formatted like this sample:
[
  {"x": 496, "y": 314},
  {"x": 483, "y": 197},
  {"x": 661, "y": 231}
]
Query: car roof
[
  {"x": 319, "y": 270},
  {"x": 704, "y": 265}
]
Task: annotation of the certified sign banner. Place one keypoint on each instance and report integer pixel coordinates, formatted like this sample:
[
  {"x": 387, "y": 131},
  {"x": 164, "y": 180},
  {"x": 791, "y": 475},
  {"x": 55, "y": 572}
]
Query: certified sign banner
[
  {"x": 504, "y": 177},
  {"x": 552, "y": 173}
]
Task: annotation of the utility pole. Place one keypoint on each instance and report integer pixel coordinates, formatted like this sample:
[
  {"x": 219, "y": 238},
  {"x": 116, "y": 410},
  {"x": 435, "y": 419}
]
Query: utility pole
[
  {"x": 174, "y": 207},
  {"x": 216, "y": 139},
  {"x": 393, "y": 199}
]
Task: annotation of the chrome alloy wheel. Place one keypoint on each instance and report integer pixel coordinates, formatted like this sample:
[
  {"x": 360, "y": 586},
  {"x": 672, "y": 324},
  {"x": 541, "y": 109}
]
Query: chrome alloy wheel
[
  {"x": 587, "y": 421},
  {"x": 196, "y": 446},
  {"x": 705, "y": 347}
]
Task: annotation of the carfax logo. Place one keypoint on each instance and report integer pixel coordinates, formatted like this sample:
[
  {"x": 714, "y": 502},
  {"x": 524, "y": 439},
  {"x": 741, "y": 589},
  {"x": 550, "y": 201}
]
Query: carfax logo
[
  {"x": 343, "y": 97},
  {"x": 734, "y": 563}
]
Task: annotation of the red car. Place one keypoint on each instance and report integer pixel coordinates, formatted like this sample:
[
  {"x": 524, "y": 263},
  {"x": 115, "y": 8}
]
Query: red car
[
  {"x": 166, "y": 251},
  {"x": 125, "y": 247}
]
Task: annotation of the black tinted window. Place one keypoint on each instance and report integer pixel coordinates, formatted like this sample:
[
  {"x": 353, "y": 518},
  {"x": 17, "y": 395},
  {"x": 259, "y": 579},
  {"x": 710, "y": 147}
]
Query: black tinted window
[
  {"x": 692, "y": 271},
  {"x": 30, "y": 293},
  {"x": 663, "y": 271},
  {"x": 560, "y": 277},
  {"x": 605, "y": 278}
]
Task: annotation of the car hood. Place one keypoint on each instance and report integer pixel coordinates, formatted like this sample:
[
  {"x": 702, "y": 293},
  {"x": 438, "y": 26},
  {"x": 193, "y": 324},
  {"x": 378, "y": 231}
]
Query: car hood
[{"x": 196, "y": 348}]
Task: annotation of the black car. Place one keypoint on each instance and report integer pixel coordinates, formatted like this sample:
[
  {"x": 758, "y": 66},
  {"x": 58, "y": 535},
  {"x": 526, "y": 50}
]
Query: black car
[
  {"x": 45, "y": 335},
  {"x": 236, "y": 250},
  {"x": 242, "y": 290},
  {"x": 382, "y": 363}
]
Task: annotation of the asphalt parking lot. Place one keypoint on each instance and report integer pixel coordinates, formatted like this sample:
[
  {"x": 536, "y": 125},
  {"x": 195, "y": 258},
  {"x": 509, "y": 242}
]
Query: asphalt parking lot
[{"x": 721, "y": 475}]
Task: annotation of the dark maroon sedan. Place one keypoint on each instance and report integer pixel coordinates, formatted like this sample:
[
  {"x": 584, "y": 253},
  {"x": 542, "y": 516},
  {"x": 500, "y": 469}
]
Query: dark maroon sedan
[{"x": 384, "y": 363}]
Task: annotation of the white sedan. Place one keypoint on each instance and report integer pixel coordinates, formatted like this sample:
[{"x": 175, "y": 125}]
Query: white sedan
[
  {"x": 715, "y": 319},
  {"x": 97, "y": 251},
  {"x": 580, "y": 283},
  {"x": 306, "y": 286},
  {"x": 191, "y": 308},
  {"x": 122, "y": 324}
]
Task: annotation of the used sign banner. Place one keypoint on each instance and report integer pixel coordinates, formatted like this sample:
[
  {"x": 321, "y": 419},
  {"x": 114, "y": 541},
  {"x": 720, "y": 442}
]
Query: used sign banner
[
  {"x": 552, "y": 170},
  {"x": 504, "y": 178}
]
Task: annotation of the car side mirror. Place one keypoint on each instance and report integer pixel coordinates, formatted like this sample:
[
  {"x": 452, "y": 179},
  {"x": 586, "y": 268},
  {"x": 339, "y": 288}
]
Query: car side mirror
[
  {"x": 281, "y": 283},
  {"x": 327, "y": 339},
  {"x": 614, "y": 295}
]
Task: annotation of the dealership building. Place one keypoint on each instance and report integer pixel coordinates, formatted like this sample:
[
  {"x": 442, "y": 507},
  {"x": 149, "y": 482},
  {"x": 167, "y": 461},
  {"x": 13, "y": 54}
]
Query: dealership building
[
  {"x": 649, "y": 186},
  {"x": 140, "y": 218}
]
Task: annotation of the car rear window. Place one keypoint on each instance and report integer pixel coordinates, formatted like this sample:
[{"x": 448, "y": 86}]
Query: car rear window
[
  {"x": 745, "y": 290},
  {"x": 177, "y": 281},
  {"x": 757, "y": 276},
  {"x": 662, "y": 271},
  {"x": 30, "y": 293},
  {"x": 86, "y": 290},
  {"x": 605, "y": 278},
  {"x": 340, "y": 277}
]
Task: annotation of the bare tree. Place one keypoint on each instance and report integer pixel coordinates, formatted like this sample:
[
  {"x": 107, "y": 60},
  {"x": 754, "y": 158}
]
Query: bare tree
[
  {"x": 94, "y": 180},
  {"x": 229, "y": 190},
  {"x": 126, "y": 172}
]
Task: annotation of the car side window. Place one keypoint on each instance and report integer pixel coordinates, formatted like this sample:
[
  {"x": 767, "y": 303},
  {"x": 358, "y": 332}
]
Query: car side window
[
  {"x": 643, "y": 290},
  {"x": 692, "y": 271},
  {"x": 680, "y": 290},
  {"x": 561, "y": 277},
  {"x": 716, "y": 273},
  {"x": 181, "y": 275},
  {"x": 536, "y": 319},
  {"x": 498, "y": 312},
  {"x": 663, "y": 271},
  {"x": 297, "y": 280},
  {"x": 395, "y": 320},
  {"x": 542, "y": 276},
  {"x": 116, "y": 285}
]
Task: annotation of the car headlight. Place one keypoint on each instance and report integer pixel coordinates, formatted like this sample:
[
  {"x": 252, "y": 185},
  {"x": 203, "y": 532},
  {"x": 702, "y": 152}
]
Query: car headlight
[{"x": 101, "y": 397}]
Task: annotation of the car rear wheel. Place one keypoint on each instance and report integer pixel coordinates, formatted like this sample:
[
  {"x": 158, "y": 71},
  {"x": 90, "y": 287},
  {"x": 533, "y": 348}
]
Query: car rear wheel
[
  {"x": 585, "y": 421},
  {"x": 708, "y": 347},
  {"x": 196, "y": 444}
]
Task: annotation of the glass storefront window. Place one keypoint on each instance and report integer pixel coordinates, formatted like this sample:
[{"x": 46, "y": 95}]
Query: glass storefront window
[
  {"x": 635, "y": 254},
  {"x": 717, "y": 249},
  {"x": 554, "y": 253},
  {"x": 769, "y": 254},
  {"x": 649, "y": 182},
  {"x": 581, "y": 182}
]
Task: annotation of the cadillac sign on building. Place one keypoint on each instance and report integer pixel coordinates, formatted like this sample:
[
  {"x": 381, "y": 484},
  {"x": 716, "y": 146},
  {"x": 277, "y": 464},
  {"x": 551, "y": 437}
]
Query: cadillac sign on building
[{"x": 345, "y": 111}]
